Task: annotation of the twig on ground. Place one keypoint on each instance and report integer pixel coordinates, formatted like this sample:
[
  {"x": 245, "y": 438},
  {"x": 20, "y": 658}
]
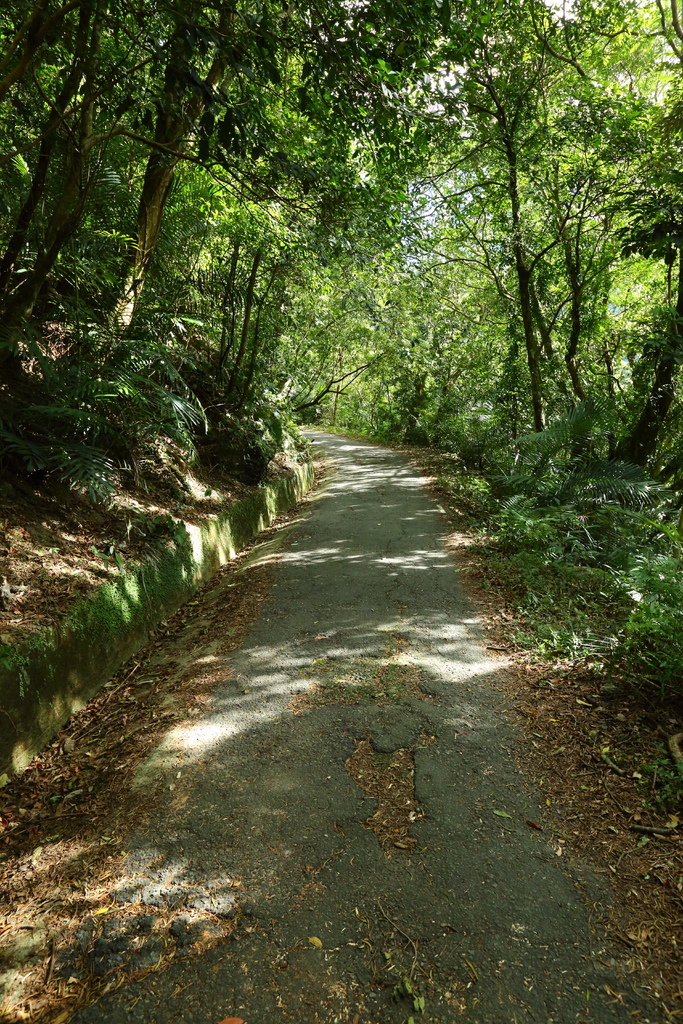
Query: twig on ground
[
  {"x": 625, "y": 853},
  {"x": 405, "y": 935},
  {"x": 610, "y": 794},
  {"x": 132, "y": 671},
  {"x": 610, "y": 764},
  {"x": 51, "y": 962},
  {"x": 651, "y": 830}
]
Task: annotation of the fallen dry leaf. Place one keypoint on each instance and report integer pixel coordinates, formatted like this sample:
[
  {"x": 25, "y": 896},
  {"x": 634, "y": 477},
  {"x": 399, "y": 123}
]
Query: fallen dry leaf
[
  {"x": 315, "y": 941},
  {"x": 231, "y": 1020}
]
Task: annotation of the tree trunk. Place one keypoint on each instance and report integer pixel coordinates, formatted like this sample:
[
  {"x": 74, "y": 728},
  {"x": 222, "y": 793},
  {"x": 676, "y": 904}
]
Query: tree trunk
[
  {"x": 155, "y": 192},
  {"x": 524, "y": 284},
  {"x": 248, "y": 307},
  {"x": 68, "y": 211},
  {"x": 576, "y": 288},
  {"x": 640, "y": 446},
  {"x": 27, "y": 212},
  {"x": 546, "y": 337},
  {"x": 255, "y": 343},
  {"x": 174, "y": 134},
  {"x": 228, "y": 336},
  {"x": 32, "y": 34}
]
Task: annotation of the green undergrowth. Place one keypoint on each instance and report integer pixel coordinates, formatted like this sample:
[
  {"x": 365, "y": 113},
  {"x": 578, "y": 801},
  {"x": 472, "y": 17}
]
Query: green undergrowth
[
  {"x": 661, "y": 786},
  {"x": 615, "y": 609},
  {"x": 560, "y": 610},
  {"x": 605, "y": 584}
]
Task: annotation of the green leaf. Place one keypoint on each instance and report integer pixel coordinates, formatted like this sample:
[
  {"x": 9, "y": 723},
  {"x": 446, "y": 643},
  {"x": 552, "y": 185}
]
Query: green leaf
[
  {"x": 502, "y": 814},
  {"x": 21, "y": 165}
]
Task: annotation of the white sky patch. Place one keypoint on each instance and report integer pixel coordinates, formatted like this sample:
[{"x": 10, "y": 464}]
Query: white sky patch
[{"x": 563, "y": 9}]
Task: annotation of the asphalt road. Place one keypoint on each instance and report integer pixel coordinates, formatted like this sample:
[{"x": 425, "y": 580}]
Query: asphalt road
[{"x": 478, "y": 920}]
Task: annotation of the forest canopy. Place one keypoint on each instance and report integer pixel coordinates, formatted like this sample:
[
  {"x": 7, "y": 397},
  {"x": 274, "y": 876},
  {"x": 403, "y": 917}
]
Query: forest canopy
[{"x": 452, "y": 223}]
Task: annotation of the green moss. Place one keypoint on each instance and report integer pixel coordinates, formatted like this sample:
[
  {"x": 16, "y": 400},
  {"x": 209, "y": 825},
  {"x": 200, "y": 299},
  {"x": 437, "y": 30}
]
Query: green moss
[
  {"x": 43, "y": 681},
  {"x": 355, "y": 680}
]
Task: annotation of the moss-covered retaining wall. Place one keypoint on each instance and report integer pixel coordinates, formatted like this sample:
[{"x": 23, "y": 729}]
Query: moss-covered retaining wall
[{"x": 57, "y": 672}]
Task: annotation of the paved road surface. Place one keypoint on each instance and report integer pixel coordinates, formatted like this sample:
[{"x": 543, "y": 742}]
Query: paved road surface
[{"x": 479, "y": 915}]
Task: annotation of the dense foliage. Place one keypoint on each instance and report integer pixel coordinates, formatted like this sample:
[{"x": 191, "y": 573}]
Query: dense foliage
[
  {"x": 448, "y": 224},
  {"x": 170, "y": 178},
  {"x": 527, "y": 317}
]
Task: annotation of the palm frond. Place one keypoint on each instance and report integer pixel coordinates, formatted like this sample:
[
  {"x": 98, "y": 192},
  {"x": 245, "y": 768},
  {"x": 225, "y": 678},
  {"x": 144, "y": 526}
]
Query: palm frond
[
  {"x": 610, "y": 482},
  {"x": 575, "y": 430}
]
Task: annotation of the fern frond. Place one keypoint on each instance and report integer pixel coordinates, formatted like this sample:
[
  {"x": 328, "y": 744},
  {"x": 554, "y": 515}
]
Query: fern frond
[
  {"x": 610, "y": 482},
  {"x": 574, "y": 430}
]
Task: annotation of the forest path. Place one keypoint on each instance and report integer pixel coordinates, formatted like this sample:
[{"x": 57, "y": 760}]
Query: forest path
[{"x": 463, "y": 910}]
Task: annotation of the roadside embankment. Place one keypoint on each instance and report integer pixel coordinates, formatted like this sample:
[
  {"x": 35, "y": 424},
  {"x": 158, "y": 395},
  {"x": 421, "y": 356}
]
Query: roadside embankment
[{"x": 54, "y": 673}]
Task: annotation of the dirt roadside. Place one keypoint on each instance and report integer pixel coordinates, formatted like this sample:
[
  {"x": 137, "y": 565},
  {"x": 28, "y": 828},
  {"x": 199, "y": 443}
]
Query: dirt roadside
[
  {"x": 596, "y": 746},
  {"x": 57, "y": 547}
]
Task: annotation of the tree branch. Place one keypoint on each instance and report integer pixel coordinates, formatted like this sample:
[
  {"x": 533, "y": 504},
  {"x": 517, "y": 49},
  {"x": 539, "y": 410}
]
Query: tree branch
[{"x": 331, "y": 384}]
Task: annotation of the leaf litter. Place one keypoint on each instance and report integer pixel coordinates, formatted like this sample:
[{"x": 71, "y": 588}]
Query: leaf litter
[
  {"x": 56, "y": 546},
  {"x": 65, "y": 819},
  {"x": 390, "y": 780}
]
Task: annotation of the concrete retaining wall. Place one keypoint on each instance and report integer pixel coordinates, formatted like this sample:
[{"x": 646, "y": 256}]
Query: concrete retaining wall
[{"x": 58, "y": 670}]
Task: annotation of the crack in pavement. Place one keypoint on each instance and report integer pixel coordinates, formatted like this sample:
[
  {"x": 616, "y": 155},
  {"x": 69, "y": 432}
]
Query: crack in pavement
[{"x": 481, "y": 921}]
